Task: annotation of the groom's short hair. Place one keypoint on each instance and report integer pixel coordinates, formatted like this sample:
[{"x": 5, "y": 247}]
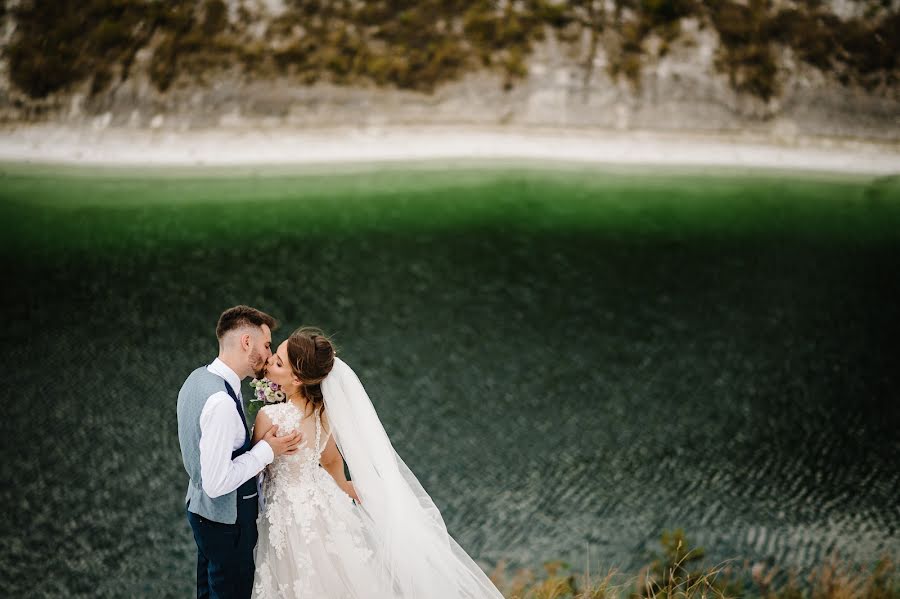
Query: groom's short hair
[{"x": 242, "y": 316}]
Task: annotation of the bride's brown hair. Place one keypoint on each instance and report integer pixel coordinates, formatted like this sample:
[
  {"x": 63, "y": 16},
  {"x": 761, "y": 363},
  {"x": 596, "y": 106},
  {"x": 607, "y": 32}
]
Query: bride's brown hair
[{"x": 311, "y": 355}]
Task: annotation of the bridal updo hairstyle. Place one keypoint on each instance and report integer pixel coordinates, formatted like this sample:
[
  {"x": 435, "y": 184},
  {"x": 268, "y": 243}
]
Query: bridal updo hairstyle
[{"x": 311, "y": 355}]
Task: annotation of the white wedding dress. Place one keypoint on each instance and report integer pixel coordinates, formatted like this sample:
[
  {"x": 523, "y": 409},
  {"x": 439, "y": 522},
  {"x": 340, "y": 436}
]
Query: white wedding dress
[
  {"x": 315, "y": 542},
  {"x": 311, "y": 539}
]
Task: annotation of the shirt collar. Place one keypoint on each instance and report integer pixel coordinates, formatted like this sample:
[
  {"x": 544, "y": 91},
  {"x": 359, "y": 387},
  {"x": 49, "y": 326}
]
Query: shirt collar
[{"x": 221, "y": 368}]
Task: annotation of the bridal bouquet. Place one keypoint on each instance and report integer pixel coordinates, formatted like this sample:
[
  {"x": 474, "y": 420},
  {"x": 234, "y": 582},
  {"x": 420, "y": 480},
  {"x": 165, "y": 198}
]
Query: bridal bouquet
[{"x": 266, "y": 391}]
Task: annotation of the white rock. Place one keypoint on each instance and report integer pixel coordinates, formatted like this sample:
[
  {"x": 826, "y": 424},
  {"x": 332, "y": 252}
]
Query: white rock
[{"x": 102, "y": 122}]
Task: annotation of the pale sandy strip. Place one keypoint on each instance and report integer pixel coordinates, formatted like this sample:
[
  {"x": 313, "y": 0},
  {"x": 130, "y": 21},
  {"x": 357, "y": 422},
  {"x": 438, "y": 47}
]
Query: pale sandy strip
[{"x": 228, "y": 146}]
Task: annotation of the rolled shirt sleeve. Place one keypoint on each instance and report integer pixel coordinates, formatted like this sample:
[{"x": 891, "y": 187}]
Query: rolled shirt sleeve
[{"x": 220, "y": 426}]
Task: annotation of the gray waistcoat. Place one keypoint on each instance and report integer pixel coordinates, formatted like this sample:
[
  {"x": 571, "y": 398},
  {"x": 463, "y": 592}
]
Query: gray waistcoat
[{"x": 199, "y": 385}]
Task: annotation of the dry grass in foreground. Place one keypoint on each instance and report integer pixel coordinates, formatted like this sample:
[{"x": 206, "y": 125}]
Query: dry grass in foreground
[{"x": 675, "y": 575}]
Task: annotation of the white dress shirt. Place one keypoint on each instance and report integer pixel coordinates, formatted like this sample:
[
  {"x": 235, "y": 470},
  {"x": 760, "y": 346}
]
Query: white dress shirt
[{"x": 221, "y": 432}]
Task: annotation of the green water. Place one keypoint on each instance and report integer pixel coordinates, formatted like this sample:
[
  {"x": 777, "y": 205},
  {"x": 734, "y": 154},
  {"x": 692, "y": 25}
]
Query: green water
[{"x": 566, "y": 357}]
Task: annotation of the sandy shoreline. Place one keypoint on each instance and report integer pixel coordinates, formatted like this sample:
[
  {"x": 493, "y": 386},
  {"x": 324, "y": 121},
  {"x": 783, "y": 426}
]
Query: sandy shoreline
[{"x": 54, "y": 144}]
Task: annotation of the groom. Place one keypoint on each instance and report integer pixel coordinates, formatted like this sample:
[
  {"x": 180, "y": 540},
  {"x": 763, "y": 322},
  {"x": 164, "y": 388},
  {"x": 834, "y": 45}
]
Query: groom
[{"x": 219, "y": 458}]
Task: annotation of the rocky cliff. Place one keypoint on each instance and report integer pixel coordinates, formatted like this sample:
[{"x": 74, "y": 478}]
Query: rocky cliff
[{"x": 779, "y": 69}]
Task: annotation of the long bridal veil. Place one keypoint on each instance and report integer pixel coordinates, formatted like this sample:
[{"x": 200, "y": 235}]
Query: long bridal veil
[{"x": 408, "y": 535}]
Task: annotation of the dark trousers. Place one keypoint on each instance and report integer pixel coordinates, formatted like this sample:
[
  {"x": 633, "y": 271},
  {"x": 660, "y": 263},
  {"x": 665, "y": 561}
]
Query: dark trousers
[{"x": 225, "y": 553}]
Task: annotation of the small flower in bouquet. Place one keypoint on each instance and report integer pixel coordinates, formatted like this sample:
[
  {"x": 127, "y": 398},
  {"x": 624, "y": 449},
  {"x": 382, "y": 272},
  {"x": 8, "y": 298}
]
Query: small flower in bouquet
[{"x": 266, "y": 391}]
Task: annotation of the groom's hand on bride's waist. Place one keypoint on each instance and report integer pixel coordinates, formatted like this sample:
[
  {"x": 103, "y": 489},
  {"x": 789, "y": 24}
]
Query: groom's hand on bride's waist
[{"x": 287, "y": 444}]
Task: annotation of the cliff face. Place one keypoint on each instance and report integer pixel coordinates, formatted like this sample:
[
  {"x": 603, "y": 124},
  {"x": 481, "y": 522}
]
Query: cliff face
[{"x": 572, "y": 74}]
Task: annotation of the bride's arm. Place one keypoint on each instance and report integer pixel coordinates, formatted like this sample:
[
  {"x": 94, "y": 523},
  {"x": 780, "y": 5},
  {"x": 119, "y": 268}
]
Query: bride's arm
[
  {"x": 333, "y": 463},
  {"x": 261, "y": 426}
]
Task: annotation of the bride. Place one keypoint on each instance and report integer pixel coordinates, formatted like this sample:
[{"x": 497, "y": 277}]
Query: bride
[{"x": 378, "y": 535}]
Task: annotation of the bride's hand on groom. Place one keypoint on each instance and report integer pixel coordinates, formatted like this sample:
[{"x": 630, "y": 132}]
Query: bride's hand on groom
[{"x": 285, "y": 445}]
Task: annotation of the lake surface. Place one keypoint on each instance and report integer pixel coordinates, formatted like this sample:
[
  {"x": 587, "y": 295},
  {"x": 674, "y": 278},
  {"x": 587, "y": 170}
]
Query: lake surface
[{"x": 572, "y": 360}]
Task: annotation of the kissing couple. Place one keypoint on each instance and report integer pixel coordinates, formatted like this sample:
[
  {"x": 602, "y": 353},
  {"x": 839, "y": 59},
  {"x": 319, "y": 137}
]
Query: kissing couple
[{"x": 305, "y": 530}]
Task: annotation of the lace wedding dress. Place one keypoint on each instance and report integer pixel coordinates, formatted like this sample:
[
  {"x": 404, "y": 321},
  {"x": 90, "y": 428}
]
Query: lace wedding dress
[
  {"x": 315, "y": 542},
  {"x": 312, "y": 542}
]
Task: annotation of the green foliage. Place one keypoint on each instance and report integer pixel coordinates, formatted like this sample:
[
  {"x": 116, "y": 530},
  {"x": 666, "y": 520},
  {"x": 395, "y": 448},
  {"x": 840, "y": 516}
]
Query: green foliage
[
  {"x": 857, "y": 51},
  {"x": 746, "y": 53},
  {"x": 883, "y": 582},
  {"x": 559, "y": 582},
  {"x": 59, "y": 43},
  {"x": 215, "y": 17},
  {"x": 868, "y": 52},
  {"x": 191, "y": 41},
  {"x": 673, "y": 572},
  {"x": 671, "y": 577},
  {"x": 660, "y": 12},
  {"x": 419, "y": 45},
  {"x": 665, "y": 578},
  {"x": 251, "y": 410},
  {"x": 162, "y": 67}
]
